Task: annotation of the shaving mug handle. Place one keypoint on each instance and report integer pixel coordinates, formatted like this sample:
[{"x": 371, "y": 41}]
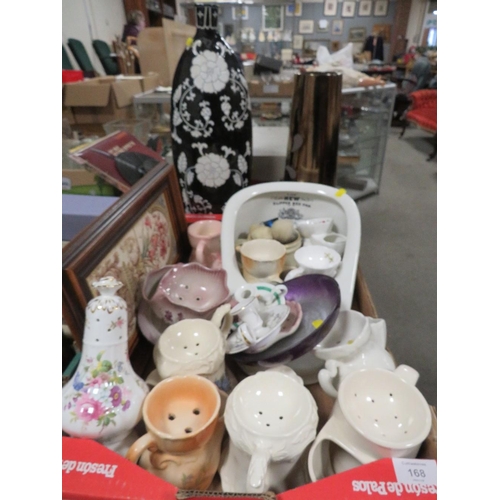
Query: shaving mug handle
[
  {"x": 378, "y": 330},
  {"x": 294, "y": 273},
  {"x": 139, "y": 446},
  {"x": 256, "y": 478},
  {"x": 407, "y": 373},
  {"x": 326, "y": 377},
  {"x": 223, "y": 319},
  {"x": 200, "y": 252}
]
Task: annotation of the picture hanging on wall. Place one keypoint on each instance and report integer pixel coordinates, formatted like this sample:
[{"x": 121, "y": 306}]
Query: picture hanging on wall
[
  {"x": 330, "y": 8},
  {"x": 322, "y": 26},
  {"x": 298, "y": 42},
  {"x": 365, "y": 8},
  {"x": 306, "y": 26},
  {"x": 357, "y": 34},
  {"x": 383, "y": 31},
  {"x": 381, "y": 7},
  {"x": 337, "y": 26},
  {"x": 272, "y": 17},
  {"x": 348, "y": 9},
  {"x": 240, "y": 12},
  {"x": 294, "y": 9}
]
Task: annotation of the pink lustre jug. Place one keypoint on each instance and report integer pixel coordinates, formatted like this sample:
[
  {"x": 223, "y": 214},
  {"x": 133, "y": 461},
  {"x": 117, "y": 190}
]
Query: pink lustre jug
[{"x": 103, "y": 400}]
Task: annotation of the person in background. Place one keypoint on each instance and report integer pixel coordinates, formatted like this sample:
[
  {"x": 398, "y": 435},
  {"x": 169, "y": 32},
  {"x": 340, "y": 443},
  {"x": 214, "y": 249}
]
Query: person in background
[
  {"x": 136, "y": 22},
  {"x": 419, "y": 78},
  {"x": 374, "y": 44}
]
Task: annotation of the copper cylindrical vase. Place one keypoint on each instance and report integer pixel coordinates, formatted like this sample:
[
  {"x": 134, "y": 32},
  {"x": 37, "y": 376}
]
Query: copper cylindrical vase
[{"x": 314, "y": 128}]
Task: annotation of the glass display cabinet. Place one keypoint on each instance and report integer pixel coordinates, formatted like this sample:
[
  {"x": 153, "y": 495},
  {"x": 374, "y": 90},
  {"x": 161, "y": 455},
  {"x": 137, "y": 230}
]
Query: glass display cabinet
[{"x": 365, "y": 124}]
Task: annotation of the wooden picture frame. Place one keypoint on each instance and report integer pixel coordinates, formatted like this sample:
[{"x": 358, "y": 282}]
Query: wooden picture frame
[
  {"x": 348, "y": 8},
  {"x": 273, "y": 17},
  {"x": 380, "y": 8},
  {"x": 337, "y": 27},
  {"x": 330, "y": 8},
  {"x": 357, "y": 35},
  {"x": 144, "y": 230},
  {"x": 306, "y": 26},
  {"x": 365, "y": 8}
]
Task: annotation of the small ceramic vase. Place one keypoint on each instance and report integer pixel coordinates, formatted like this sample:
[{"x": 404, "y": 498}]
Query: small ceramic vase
[
  {"x": 204, "y": 238},
  {"x": 195, "y": 346},
  {"x": 183, "y": 416},
  {"x": 271, "y": 419},
  {"x": 355, "y": 342},
  {"x": 103, "y": 399}
]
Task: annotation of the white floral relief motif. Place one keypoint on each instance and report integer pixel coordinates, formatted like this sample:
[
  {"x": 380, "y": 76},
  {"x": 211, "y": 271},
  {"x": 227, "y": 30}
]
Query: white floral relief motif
[
  {"x": 209, "y": 72},
  {"x": 212, "y": 170},
  {"x": 199, "y": 123},
  {"x": 235, "y": 119}
]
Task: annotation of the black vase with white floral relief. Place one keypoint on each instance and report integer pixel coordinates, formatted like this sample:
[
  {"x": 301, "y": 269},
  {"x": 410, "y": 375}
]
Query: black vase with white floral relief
[{"x": 211, "y": 119}]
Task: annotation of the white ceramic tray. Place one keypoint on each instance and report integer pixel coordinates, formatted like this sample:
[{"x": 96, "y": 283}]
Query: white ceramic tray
[{"x": 292, "y": 200}]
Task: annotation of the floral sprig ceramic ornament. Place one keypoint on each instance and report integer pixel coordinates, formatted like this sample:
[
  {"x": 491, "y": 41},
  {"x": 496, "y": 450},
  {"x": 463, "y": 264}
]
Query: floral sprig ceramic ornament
[
  {"x": 103, "y": 399},
  {"x": 211, "y": 119}
]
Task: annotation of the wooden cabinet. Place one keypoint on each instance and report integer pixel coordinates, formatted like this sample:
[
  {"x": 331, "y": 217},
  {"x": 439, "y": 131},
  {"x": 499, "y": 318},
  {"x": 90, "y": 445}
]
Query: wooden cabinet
[{"x": 154, "y": 10}]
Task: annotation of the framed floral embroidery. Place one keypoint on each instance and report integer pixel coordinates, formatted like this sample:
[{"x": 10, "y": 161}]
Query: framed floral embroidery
[{"x": 143, "y": 231}]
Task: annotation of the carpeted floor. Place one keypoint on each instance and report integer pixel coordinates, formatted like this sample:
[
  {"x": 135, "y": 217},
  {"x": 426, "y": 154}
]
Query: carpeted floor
[{"x": 399, "y": 253}]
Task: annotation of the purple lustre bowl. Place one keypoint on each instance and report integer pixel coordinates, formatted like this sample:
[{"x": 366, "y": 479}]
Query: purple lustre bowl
[
  {"x": 177, "y": 292},
  {"x": 319, "y": 298}
]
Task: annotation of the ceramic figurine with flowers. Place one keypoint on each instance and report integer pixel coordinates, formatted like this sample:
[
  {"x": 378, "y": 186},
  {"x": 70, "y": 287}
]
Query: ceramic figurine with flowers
[
  {"x": 103, "y": 399},
  {"x": 211, "y": 119}
]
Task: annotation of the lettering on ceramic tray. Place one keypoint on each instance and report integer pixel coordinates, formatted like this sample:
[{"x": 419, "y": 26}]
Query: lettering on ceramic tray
[
  {"x": 290, "y": 202},
  {"x": 107, "y": 470},
  {"x": 383, "y": 488}
]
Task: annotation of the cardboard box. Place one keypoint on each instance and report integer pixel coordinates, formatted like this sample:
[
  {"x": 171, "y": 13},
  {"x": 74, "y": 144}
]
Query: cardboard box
[
  {"x": 103, "y": 99},
  {"x": 92, "y": 472},
  {"x": 274, "y": 89}
]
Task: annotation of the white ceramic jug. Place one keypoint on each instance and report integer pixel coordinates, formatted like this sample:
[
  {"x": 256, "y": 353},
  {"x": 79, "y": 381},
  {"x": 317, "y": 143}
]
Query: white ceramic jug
[{"x": 355, "y": 342}]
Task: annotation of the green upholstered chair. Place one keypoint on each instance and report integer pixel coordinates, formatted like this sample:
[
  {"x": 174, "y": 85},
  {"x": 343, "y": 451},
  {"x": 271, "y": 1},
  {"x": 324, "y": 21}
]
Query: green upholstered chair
[
  {"x": 104, "y": 54},
  {"x": 66, "y": 62},
  {"x": 82, "y": 58}
]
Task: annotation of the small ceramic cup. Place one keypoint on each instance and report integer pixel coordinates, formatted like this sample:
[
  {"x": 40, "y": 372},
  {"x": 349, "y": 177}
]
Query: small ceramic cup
[
  {"x": 183, "y": 440},
  {"x": 204, "y": 238},
  {"x": 262, "y": 260},
  {"x": 335, "y": 241},
  {"x": 318, "y": 225},
  {"x": 315, "y": 259}
]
